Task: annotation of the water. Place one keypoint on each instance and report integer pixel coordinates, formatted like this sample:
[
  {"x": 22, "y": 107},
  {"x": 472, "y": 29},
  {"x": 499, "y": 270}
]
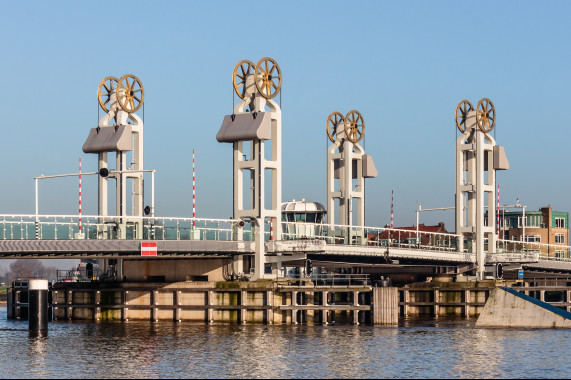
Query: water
[{"x": 449, "y": 349}]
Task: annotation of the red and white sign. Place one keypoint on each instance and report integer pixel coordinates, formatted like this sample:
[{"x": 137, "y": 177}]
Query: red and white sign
[{"x": 148, "y": 248}]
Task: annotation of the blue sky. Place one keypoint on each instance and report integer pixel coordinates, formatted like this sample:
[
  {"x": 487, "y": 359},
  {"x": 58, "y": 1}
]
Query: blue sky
[{"x": 404, "y": 65}]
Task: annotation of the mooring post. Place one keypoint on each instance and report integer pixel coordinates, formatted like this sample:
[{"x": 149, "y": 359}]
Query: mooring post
[{"x": 38, "y": 306}]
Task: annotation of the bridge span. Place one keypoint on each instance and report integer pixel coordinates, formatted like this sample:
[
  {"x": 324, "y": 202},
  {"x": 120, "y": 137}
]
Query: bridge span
[{"x": 57, "y": 236}]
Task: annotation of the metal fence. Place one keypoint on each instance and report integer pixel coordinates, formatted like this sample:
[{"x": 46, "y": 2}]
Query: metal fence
[
  {"x": 331, "y": 279},
  {"x": 67, "y": 227}
]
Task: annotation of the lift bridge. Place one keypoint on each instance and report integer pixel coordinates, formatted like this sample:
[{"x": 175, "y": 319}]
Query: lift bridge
[
  {"x": 55, "y": 236},
  {"x": 260, "y": 232}
]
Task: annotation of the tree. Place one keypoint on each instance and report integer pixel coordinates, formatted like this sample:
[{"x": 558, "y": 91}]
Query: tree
[{"x": 30, "y": 268}]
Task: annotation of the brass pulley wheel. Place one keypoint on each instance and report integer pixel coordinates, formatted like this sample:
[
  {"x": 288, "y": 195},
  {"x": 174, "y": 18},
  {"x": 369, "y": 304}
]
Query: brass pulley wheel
[
  {"x": 485, "y": 115},
  {"x": 333, "y": 122},
  {"x": 241, "y": 72},
  {"x": 268, "y": 77},
  {"x": 104, "y": 91},
  {"x": 354, "y": 126},
  {"x": 130, "y": 93},
  {"x": 462, "y": 110}
]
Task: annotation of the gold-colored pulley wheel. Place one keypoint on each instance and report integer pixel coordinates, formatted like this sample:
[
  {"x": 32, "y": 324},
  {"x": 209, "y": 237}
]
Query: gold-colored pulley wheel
[
  {"x": 241, "y": 72},
  {"x": 104, "y": 91},
  {"x": 333, "y": 122},
  {"x": 268, "y": 77},
  {"x": 462, "y": 110},
  {"x": 354, "y": 126},
  {"x": 130, "y": 93},
  {"x": 485, "y": 115}
]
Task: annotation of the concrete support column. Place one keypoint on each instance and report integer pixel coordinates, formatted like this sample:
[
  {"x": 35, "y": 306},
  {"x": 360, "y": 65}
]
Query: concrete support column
[
  {"x": 406, "y": 301},
  {"x": 124, "y": 302},
  {"x": 436, "y": 303},
  {"x": 154, "y": 302},
  {"x": 466, "y": 303},
  {"x": 294, "y": 311},
  {"x": 97, "y": 310},
  {"x": 270, "y": 302},
  {"x": 69, "y": 301},
  {"x": 542, "y": 295},
  {"x": 177, "y": 300},
  {"x": 243, "y": 298},
  {"x": 209, "y": 303},
  {"x": 324, "y": 302}
]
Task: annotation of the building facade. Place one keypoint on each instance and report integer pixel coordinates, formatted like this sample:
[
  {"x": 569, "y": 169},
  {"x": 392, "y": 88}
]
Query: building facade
[{"x": 543, "y": 227}]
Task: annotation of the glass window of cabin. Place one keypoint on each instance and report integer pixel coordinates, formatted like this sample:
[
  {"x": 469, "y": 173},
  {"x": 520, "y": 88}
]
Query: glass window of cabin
[
  {"x": 300, "y": 217},
  {"x": 290, "y": 217},
  {"x": 310, "y": 218},
  {"x": 319, "y": 218}
]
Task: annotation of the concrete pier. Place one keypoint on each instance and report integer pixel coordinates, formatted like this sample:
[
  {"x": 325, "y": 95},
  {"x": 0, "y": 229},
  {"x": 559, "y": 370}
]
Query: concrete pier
[
  {"x": 211, "y": 302},
  {"x": 508, "y": 307}
]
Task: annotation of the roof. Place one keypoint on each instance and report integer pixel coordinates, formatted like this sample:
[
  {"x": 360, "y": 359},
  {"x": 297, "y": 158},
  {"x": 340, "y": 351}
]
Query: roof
[
  {"x": 302, "y": 206},
  {"x": 403, "y": 235}
]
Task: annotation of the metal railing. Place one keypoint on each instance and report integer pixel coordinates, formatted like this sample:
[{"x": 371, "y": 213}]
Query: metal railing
[
  {"x": 371, "y": 236},
  {"x": 66, "y": 227},
  {"x": 81, "y": 274},
  {"x": 552, "y": 252},
  {"x": 331, "y": 279}
]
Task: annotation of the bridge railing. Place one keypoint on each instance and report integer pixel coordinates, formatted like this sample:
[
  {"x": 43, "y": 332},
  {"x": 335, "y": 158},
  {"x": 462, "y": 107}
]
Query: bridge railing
[
  {"x": 371, "y": 236},
  {"x": 66, "y": 227},
  {"x": 555, "y": 252},
  {"x": 330, "y": 279}
]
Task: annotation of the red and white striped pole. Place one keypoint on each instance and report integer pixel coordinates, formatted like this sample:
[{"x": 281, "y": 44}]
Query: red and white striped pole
[
  {"x": 271, "y": 229},
  {"x": 193, "y": 193},
  {"x": 498, "y": 212},
  {"x": 392, "y": 214},
  {"x": 80, "y": 196}
]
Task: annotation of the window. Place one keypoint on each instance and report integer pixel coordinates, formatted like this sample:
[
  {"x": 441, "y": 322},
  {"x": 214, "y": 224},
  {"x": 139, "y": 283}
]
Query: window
[
  {"x": 514, "y": 237},
  {"x": 559, "y": 255},
  {"x": 532, "y": 238},
  {"x": 559, "y": 222},
  {"x": 560, "y": 238},
  {"x": 533, "y": 220},
  {"x": 310, "y": 218}
]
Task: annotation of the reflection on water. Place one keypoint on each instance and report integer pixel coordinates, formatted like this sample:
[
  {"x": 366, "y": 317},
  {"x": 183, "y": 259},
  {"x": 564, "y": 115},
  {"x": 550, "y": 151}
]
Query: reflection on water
[{"x": 420, "y": 349}]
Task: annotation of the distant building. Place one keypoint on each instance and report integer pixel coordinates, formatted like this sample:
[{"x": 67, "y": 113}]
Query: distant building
[
  {"x": 544, "y": 226},
  {"x": 408, "y": 235}
]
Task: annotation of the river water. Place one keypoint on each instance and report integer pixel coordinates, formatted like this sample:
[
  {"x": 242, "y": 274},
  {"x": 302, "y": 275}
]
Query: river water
[{"x": 415, "y": 349}]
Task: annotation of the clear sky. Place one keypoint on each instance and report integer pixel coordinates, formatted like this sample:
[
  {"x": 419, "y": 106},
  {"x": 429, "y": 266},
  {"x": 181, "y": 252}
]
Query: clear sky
[{"x": 403, "y": 64}]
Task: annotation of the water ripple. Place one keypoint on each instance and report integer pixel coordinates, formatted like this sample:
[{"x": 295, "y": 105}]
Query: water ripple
[{"x": 416, "y": 349}]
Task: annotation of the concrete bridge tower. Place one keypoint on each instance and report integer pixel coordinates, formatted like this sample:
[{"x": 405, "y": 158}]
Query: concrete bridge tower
[
  {"x": 120, "y": 130},
  {"x": 256, "y": 122},
  {"x": 477, "y": 160},
  {"x": 347, "y": 163}
]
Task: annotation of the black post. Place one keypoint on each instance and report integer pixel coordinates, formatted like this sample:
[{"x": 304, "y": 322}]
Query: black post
[{"x": 38, "y": 306}]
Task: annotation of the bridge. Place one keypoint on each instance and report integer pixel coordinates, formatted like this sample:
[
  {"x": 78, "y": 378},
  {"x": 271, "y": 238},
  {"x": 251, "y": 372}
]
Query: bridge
[
  {"x": 258, "y": 232},
  {"x": 58, "y": 236}
]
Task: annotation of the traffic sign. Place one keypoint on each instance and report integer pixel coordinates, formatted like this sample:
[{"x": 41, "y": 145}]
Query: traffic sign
[{"x": 148, "y": 248}]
